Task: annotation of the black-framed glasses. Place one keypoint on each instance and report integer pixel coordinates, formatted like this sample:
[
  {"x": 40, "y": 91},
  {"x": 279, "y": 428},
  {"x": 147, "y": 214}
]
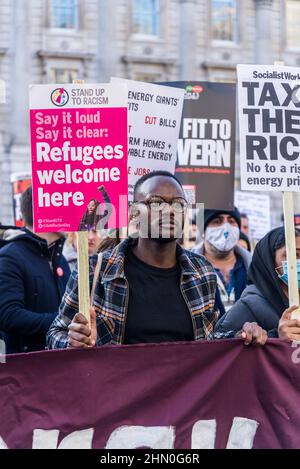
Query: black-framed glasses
[{"x": 158, "y": 204}]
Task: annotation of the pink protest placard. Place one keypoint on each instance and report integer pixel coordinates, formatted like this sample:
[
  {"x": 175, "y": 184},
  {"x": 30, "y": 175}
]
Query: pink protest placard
[{"x": 79, "y": 156}]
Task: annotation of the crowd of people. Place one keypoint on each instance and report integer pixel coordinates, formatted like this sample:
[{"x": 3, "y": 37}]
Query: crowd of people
[{"x": 147, "y": 287}]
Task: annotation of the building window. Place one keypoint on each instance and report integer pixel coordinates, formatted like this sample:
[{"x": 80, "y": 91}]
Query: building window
[
  {"x": 224, "y": 20},
  {"x": 292, "y": 24},
  {"x": 64, "y": 14},
  {"x": 148, "y": 77},
  {"x": 146, "y": 17},
  {"x": 62, "y": 75}
]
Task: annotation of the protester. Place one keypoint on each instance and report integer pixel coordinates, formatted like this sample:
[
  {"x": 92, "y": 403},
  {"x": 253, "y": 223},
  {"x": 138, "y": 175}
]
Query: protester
[
  {"x": 70, "y": 246},
  {"x": 149, "y": 288},
  {"x": 297, "y": 220},
  {"x": 190, "y": 242},
  {"x": 220, "y": 247},
  {"x": 265, "y": 300},
  {"x": 244, "y": 242},
  {"x": 33, "y": 277},
  {"x": 245, "y": 228},
  {"x": 70, "y": 251}
]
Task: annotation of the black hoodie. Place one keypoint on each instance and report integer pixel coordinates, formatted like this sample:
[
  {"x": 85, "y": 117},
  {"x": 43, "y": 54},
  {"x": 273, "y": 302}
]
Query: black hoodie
[
  {"x": 33, "y": 278},
  {"x": 263, "y": 301}
]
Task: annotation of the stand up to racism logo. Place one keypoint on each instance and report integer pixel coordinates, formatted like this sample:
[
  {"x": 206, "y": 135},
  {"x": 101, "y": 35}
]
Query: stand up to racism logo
[{"x": 59, "y": 97}]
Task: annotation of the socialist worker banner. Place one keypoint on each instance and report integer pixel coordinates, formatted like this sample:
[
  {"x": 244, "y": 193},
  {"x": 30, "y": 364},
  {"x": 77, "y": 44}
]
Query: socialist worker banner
[
  {"x": 268, "y": 97},
  {"x": 79, "y": 156},
  {"x": 195, "y": 395}
]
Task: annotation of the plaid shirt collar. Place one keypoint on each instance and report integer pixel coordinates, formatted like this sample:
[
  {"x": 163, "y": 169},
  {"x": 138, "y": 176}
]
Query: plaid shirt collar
[{"x": 115, "y": 265}]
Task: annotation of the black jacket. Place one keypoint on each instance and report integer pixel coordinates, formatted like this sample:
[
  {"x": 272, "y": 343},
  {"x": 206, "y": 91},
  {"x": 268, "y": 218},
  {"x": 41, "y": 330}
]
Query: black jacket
[
  {"x": 31, "y": 289},
  {"x": 251, "y": 307}
]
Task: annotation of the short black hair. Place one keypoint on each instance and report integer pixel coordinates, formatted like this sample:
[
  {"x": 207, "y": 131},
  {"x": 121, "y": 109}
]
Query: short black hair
[
  {"x": 246, "y": 239},
  {"x": 26, "y": 206},
  {"x": 151, "y": 175}
]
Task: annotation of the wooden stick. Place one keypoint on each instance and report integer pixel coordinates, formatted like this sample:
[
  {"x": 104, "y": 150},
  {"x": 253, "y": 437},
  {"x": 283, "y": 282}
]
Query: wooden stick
[
  {"x": 83, "y": 274},
  {"x": 290, "y": 243},
  {"x": 83, "y": 265}
]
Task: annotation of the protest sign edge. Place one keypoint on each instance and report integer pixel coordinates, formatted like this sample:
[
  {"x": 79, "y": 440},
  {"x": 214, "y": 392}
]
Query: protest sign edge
[
  {"x": 290, "y": 243},
  {"x": 83, "y": 274},
  {"x": 83, "y": 265}
]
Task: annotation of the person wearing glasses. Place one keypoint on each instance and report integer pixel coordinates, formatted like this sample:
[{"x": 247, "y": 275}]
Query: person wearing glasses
[{"x": 149, "y": 289}]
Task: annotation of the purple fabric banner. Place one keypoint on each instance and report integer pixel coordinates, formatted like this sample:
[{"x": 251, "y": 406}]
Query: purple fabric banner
[{"x": 196, "y": 395}]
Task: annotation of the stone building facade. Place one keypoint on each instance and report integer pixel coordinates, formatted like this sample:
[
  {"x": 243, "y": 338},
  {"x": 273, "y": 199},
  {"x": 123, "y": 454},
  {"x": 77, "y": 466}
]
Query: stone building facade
[{"x": 47, "y": 41}]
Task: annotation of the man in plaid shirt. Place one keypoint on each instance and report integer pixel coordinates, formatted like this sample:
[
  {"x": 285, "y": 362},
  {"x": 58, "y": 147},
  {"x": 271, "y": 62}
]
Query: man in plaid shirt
[{"x": 149, "y": 289}]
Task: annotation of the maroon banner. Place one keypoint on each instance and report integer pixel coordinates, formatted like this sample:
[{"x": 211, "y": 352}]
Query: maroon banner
[{"x": 196, "y": 395}]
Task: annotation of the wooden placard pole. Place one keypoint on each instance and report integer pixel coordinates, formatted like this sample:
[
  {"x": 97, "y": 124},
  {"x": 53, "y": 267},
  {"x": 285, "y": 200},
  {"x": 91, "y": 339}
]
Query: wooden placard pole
[
  {"x": 83, "y": 265},
  {"x": 83, "y": 274},
  {"x": 290, "y": 243}
]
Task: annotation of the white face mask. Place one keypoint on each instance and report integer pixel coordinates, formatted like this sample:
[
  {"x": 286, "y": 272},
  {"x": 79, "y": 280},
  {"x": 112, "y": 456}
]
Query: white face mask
[{"x": 223, "y": 237}]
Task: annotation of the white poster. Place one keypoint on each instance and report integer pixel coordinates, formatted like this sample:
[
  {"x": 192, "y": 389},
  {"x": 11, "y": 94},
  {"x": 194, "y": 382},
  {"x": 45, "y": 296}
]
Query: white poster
[
  {"x": 269, "y": 121},
  {"x": 154, "y": 116},
  {"x": 79, "y": 135},
  {"x": 257, "y": 208}
]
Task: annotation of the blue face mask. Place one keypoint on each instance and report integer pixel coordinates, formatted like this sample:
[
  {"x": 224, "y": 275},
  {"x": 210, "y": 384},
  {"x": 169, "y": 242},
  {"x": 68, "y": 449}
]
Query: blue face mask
[{"x": 284, "y": 276}]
